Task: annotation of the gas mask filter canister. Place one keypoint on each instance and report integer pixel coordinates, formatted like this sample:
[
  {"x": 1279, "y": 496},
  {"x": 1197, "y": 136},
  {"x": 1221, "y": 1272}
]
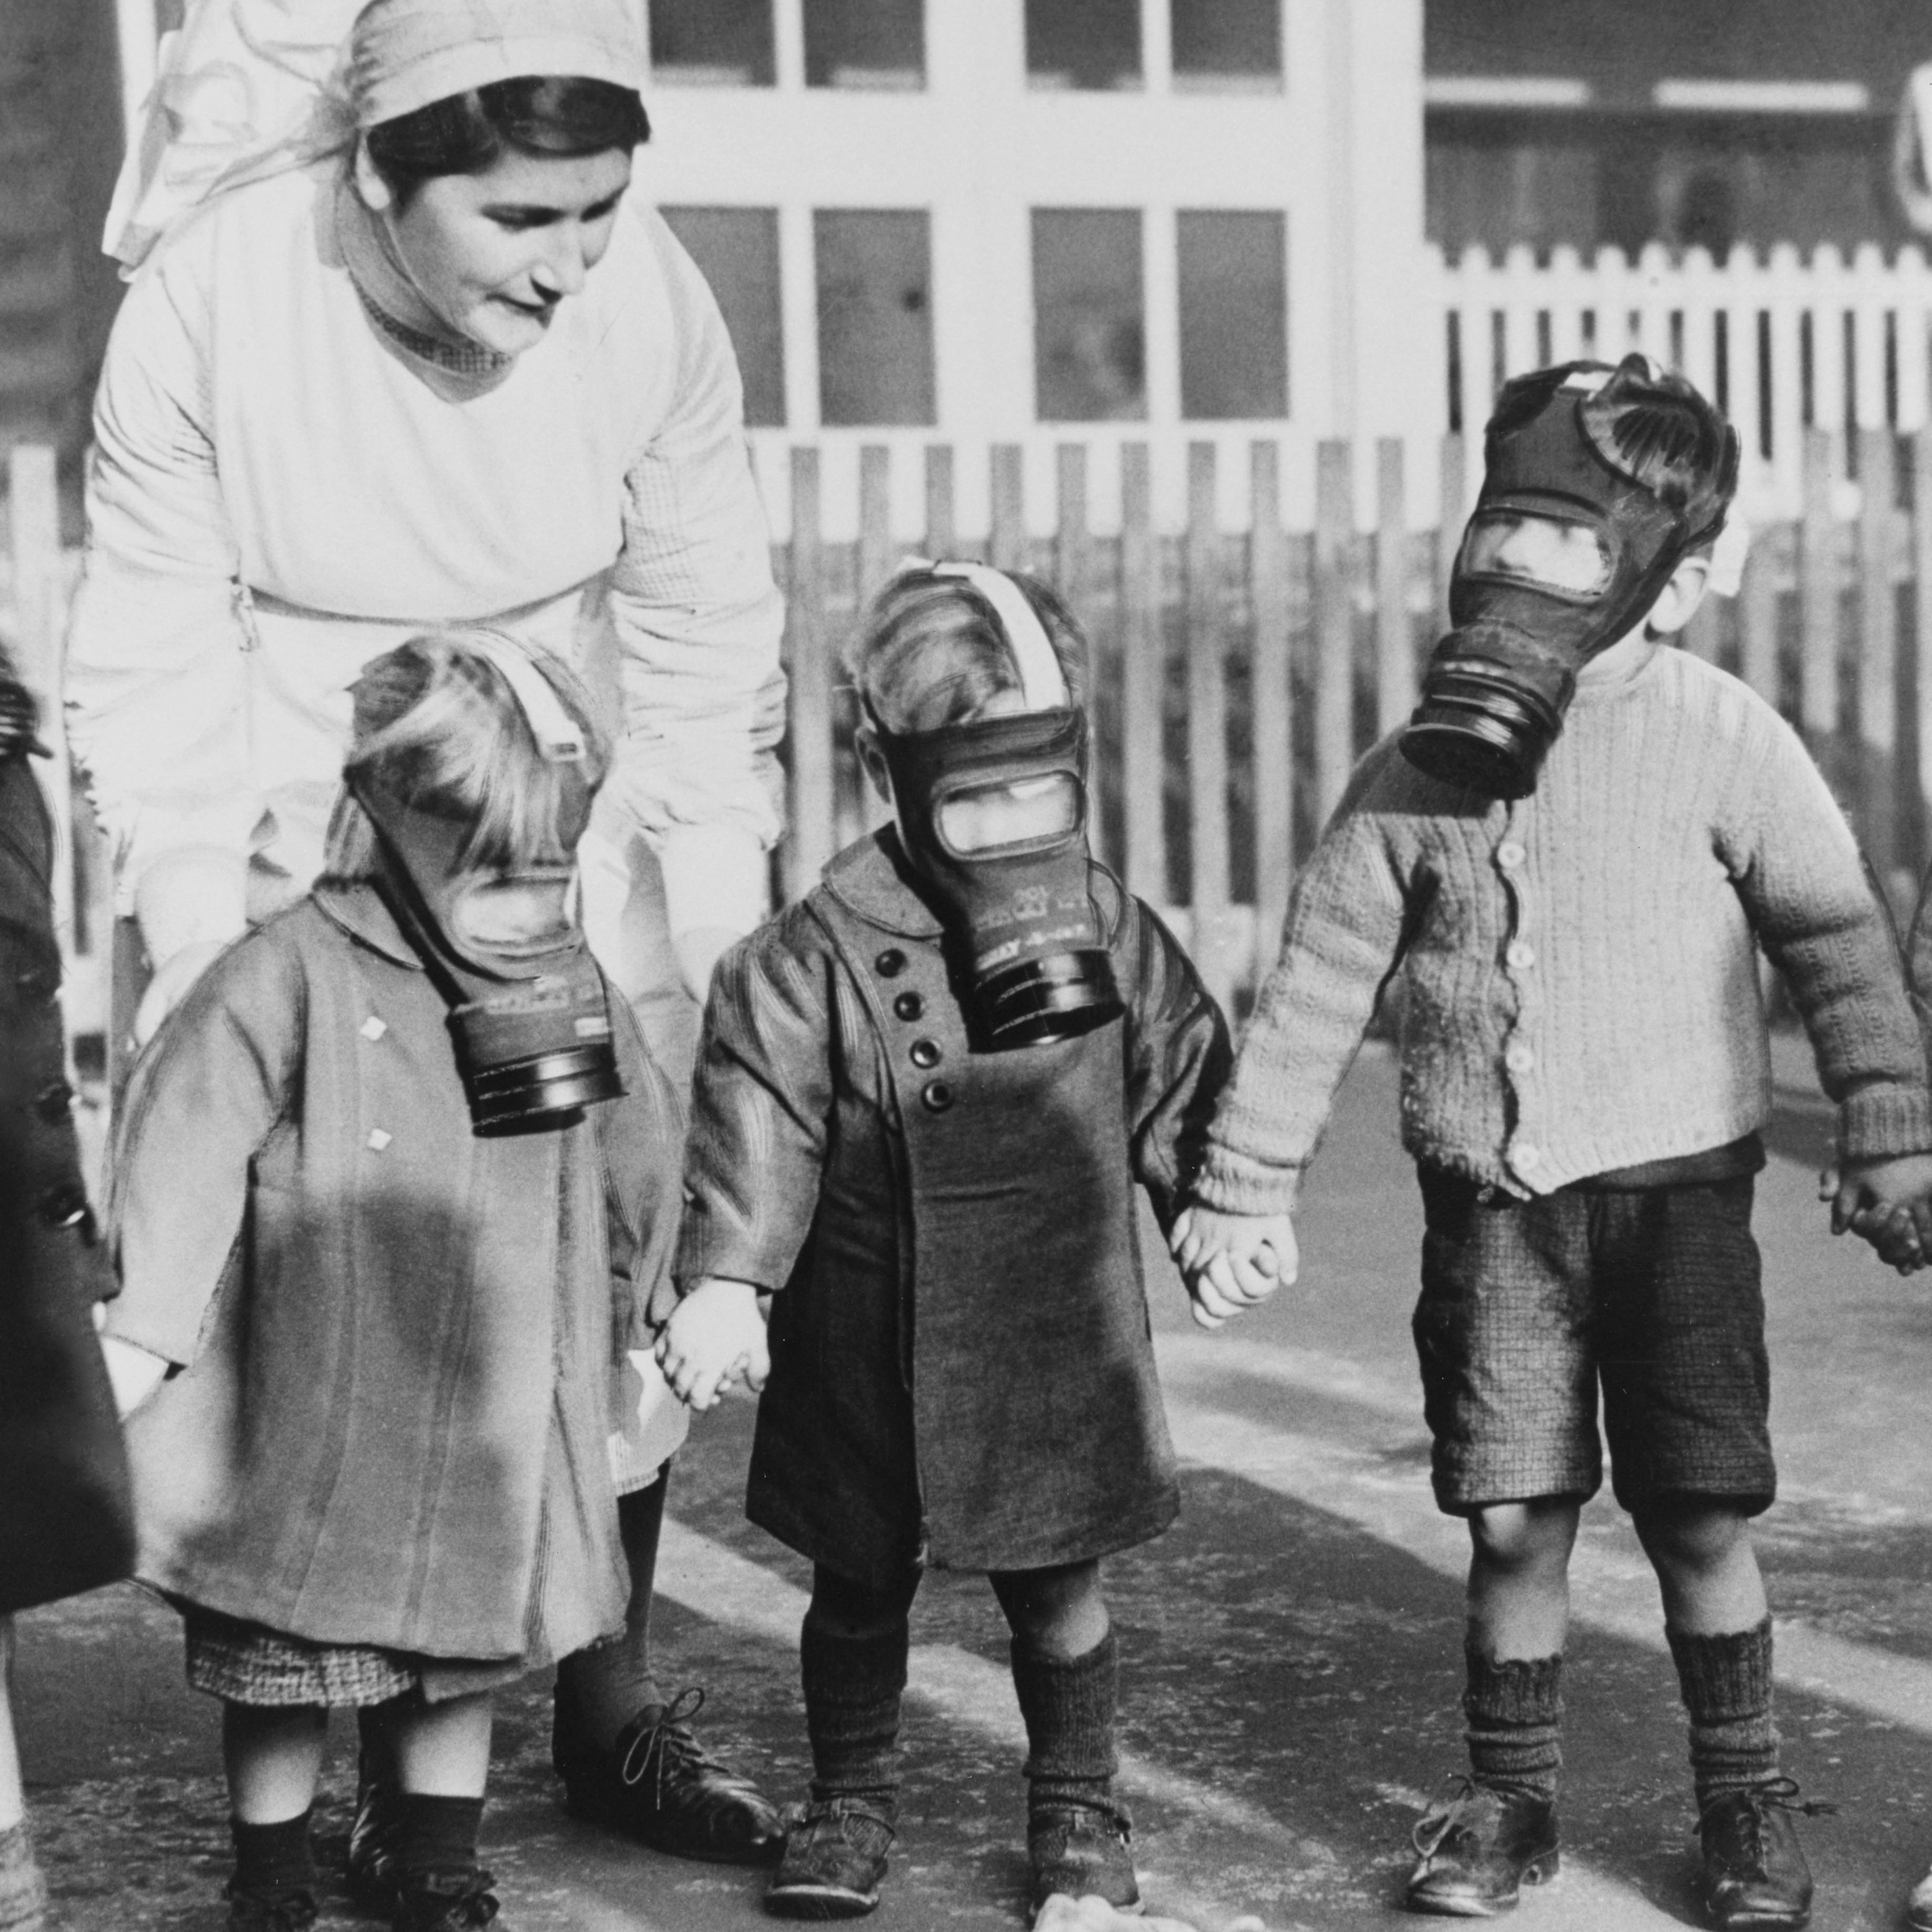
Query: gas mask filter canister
[{"x": 994, "y": 814}]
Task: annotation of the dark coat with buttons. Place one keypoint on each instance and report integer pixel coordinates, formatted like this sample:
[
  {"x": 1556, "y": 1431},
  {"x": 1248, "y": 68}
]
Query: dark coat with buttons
[
  {"x": 399, "y": 1338},
  {"x": 961, "y": 1369},
  {"x": 64, "y": 1520}
]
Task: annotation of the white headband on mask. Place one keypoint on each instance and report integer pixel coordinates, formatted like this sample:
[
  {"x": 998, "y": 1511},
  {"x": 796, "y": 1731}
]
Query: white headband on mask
[
  {"x": 1042, "y": 682},
  {"x": 559, "y": 735}
]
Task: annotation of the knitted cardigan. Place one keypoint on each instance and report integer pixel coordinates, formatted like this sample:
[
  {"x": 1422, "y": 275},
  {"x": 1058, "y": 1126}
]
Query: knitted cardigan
[{"x": 1579, "y": 967}]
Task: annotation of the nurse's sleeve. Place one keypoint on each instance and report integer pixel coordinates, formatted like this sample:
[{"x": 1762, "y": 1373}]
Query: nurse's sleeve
[
  {"x": 154, "y": 678},
  {"x": 698, "y": 619}
]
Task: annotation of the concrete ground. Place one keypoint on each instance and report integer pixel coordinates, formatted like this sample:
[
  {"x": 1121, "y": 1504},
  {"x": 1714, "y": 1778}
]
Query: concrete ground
[{"x": 1291, "y": 1648}]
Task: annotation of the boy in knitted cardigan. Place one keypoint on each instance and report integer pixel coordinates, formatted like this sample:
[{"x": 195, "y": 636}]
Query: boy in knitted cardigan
[{"x": 1585, "y": 1068}]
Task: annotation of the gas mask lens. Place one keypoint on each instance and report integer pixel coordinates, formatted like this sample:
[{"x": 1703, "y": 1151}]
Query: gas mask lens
[
  {"x": 1570, "y": 559},
  {"x": 516, "y": 913},
  {"x": 1010, "y": 814}
]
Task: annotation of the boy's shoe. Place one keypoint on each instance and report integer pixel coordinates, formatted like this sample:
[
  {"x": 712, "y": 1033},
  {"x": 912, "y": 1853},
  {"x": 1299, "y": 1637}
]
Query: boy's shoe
[
  {"x": 834, "y": 1862},
  {"x": 254, "y": 1908},
  {"x": 444, "y": 1901},
  {"x": 1083, "y": 1852},
  {"x": 374, "y": 1837},
  {"x": 1476, "y": 1853},
  {"x": 1754, "y": 1871},
  {"x": 660, "y": 1786}
]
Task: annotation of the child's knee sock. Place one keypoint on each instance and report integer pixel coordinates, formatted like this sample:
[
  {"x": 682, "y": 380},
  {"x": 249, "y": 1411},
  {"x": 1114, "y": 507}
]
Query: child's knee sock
[
  {"x": 1068, "y": 1706},
  {"x": 23, "y": 1894},
  {"x": 611, "y": 1682},
  {"x": 852, "y": 1689},
  {"x": 438, "y": 1839},
  {"x": 1726, "y": 1685},
  {"x": 1514, "y": 1709},
  {"x": 274, "y": 1860}
]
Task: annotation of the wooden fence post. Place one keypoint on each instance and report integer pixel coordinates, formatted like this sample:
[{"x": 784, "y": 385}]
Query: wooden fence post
[
  {"x": 1334, "y": 623},
  {"x": 1757, "y": 619},
  {"x": 1207, "y": 727},
  {"x": 1876, "y": 760},
  {"x": 1069, "y": 577},
  {"x": 1006, "y": 545},
  {"x": 1450, "y": 520},
  {"x": 1818, "y": 599},
  {"x": 1395, "y": 644},
  {"x": 1274, "y": 705},
  {"x": 811, "y": 842},
  {"x": 941, "y": 540},
  {"x": 1142, "y": 653}
]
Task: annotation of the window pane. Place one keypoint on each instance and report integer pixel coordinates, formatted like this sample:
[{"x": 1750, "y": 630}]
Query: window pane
[
  {"x": 1234, "y": 315},
  {"x": 1227, "y": 43},
  {"x": 1083, "y": 43},
  {"x": 718, "y": 43},
  {"x": 865, "y": 44},
  {"x": 1089, "y": 356},
  {"x": 737, "y": 251},
  {"x": 874, "y": 316}
]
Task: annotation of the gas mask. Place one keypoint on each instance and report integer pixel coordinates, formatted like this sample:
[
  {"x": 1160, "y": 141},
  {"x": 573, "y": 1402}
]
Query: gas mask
[
  {"x": 504, "y": 947},
  {"x": 993, "y": 815},
  {"x": 1598, "y": 482}
]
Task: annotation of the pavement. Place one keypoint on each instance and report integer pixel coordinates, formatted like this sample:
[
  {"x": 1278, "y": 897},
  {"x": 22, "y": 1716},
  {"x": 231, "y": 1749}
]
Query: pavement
[{"x": 1291, "y": 1649}]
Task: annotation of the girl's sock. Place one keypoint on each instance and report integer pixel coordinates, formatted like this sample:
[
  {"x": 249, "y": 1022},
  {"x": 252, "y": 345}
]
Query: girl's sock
[
  {"x": 610, "y": 1683},
  {"x": 1726, "y": 1685},
  {"x": 23, "y": 1893},
  {"x": 852, "y": 1690},
  {"x": 1069, "y": 1705},
  {"x": 438, "y": 1838},
  {"x": 274, "y": 1858},
  {"x": 1514, "y": 1709}
]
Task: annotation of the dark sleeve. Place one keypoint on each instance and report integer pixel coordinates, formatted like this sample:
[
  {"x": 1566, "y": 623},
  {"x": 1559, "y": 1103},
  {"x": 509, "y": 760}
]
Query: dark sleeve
[
  {"x": 761, "y": 1106},
  {"x": 641, "y": 1142},
  {"x": 1178, "y": 1060}
]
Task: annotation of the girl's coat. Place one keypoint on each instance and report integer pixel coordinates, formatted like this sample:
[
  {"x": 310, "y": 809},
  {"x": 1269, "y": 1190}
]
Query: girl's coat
[
  {"x": 399, "y": 1339},
  {"x": 961, "y": 1370}
]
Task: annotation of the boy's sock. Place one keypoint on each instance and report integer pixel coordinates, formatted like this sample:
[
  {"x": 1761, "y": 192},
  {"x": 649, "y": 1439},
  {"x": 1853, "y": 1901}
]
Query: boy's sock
[
  {"x": 438, "y": 1839},
  {"x": 23, "y": 1894},
  {"x": 1514, "y": 1709},
  {"x": 1068, "y": 1706},
  {"x": 1726, "y": 1685},
  {"x": 852, "y": 1689},
  {"x": 273, "y": 1859}
]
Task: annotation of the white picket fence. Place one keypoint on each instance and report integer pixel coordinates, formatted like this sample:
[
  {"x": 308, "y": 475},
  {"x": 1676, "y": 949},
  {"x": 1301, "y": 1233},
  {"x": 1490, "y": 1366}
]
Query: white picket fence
[{"x": 1783, "y": 344}]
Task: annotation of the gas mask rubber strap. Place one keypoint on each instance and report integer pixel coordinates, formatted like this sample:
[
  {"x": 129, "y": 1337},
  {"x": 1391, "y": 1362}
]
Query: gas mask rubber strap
[
  {"x": 559, "y": 738},
  {"x": 1042, "y": 683},
  {"x": 400, "y": 893}
]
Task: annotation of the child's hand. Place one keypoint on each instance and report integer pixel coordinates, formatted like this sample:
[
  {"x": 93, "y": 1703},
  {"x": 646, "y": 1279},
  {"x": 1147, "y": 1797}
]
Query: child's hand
[
  {"x": 1888, "y": 1203},
  {"x": 134, "y": 1374},
  {"x": 1230, "y": 1261},
  {"x": 715, "y": 1335}
]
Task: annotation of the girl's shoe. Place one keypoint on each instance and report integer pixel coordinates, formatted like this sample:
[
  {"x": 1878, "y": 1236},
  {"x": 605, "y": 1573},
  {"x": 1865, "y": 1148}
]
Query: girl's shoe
[
  {"x": 279, "y": 1909},
  {"x": 1474, "y": 1855},
  {"x": 834, "y": 1862},
  {"x": 1082, "y": 1852},
  {"x": 444, "y": 1901}
]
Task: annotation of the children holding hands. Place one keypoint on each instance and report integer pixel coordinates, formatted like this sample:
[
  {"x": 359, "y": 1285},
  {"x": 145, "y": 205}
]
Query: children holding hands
[{"x": 1572, "y": 855}]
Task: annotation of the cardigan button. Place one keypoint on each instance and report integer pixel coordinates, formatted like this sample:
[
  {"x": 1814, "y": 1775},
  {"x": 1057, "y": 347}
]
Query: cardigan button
[
  {"x": 53, "y": 1101},
  {"x": 938, "y": 1095},
  {"x": 926, "y": 1053},
  {"x": 890, "y": 964},
  {"x": 909, "y": 1006}
]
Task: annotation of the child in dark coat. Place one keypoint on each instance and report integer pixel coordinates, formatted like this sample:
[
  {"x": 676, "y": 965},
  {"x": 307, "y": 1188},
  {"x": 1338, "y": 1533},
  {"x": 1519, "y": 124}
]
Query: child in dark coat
[{"x": 923, "y": 1097}]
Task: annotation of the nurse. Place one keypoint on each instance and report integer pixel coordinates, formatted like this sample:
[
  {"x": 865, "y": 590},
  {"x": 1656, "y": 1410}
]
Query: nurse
[{"x": 423, "y": 359}]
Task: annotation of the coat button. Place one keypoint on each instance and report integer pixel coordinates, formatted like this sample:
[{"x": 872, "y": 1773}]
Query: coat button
[
  {"x": 909, "y": 1006},
  {"x": 938, "y": 1095},
  {"x": 1509, "y": 855},
  {"x": 890, "y": 964},
  {"x": 53, "y": 1102},
  {"x": 926, "y": 1053},
  {"x": 66, "y": 1206},
  {"x": 1520, "y": 1058}
]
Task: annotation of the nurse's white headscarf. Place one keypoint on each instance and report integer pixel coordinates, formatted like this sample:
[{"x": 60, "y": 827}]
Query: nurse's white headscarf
[{"x": 246, "y": 89}]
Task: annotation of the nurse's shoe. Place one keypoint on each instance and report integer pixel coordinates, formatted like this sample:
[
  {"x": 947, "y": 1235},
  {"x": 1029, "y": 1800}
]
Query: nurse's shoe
[{"x": 658, "y": 1785}]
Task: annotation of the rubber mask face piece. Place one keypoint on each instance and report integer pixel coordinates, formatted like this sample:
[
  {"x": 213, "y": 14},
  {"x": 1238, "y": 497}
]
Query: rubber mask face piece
[
  {"x": 994, "y": 814},
  {"x": 528, "y": 1014},
  {"x": 1567, "y": 550}
]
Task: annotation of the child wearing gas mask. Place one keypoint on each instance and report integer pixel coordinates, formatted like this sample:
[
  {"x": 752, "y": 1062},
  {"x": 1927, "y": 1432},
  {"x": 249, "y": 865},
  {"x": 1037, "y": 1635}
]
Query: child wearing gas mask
[
  {"x": 393, "y": 1185},
  {"x": 1572, "y": 854},
  {"x": 923, "y": 1098}
]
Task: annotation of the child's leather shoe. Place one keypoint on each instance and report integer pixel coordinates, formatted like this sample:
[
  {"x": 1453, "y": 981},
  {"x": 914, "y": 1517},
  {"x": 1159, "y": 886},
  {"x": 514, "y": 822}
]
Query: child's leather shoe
[
  {"x": 1082, "y": 1852},
  {"x": 270, "y": 1908},
  {"x": 1755, "y": 1874},
  {"x": 834, "y": 1862},
  {"x": 459, "y": 1901},
  {"x": 1476, "y": 1853}
]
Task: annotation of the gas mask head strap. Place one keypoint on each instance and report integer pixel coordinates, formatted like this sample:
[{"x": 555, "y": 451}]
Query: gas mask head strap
[
  {"x": 1042, "y": 682},
  {"x": 559, "y": 737}
]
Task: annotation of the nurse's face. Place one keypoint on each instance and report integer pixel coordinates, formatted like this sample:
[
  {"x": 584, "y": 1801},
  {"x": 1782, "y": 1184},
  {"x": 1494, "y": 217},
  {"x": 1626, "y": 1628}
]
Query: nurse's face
[{"x": 494, "y": 254}]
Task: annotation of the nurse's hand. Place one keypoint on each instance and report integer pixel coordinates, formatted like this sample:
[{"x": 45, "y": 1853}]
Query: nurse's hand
[
  {"x": 169, "y": 985},
  {"x": 698, "y": 951},
  {"x": 716, "y": 1335}
]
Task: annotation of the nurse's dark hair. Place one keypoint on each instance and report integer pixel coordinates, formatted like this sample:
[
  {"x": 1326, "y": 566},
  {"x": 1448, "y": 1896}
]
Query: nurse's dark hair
[
  {"x": 932, "y": 651},
  {"x": 536, "y": 114},
  {"x": 437, "y": 726}
]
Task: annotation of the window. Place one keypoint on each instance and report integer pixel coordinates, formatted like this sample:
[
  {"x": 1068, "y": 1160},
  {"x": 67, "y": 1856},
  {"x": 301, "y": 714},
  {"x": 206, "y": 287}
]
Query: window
[
  {"x": 874, "y": 44},
  {"x": 1234, "y": 315},
  {"x": 874, "y": 316},
  {"x": 737, "y": 249},
  {"x": 1226, "y": 44},
  {"x": 1088, "y": 43},
  {"x": 1088, "y": 333},
  {"x": 713, "y": 43}
]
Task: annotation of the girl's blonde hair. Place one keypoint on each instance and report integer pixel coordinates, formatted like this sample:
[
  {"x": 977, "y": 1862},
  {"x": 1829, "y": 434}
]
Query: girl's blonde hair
[
  {"x": 932, "y": 652},
  {"x": 438, "y": 726}
]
